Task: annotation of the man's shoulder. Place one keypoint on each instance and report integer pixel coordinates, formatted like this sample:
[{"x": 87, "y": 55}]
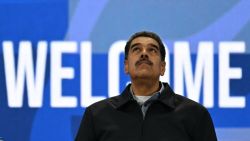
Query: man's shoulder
[
  {"x": 113, "y": 102},
  {"x": 104, "y": 104},
  {"x": 179, "y": 102},
  {"x": 188, "y": 105}
]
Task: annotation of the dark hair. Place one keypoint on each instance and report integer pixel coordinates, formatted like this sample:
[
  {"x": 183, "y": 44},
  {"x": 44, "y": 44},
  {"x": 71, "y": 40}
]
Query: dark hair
[{"x": 146, "y": 34}]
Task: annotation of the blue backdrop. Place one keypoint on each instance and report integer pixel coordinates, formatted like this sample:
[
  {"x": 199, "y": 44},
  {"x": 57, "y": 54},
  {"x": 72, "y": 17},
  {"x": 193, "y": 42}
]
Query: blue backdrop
[{"x": 75, "y": 48}]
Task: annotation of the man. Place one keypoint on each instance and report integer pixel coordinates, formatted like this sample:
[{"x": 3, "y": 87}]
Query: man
[{"x": 147, "y": 110}]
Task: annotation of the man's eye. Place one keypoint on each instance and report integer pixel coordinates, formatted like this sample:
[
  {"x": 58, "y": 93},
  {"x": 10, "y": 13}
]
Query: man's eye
[
  {"x": 153, "y": 50},
  {"x": 135, "y": 49}
]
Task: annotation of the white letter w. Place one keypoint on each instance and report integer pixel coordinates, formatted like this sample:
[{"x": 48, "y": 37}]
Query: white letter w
[{"x": 15, "y": 79}]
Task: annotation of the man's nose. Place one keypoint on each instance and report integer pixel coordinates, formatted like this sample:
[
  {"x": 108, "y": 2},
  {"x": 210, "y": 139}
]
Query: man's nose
[{"x": 144, "y": 53}]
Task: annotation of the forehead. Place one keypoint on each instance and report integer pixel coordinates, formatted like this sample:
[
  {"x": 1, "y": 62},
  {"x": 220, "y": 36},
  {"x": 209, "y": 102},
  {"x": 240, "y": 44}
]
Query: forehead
[{"x": 144, "y": 41}]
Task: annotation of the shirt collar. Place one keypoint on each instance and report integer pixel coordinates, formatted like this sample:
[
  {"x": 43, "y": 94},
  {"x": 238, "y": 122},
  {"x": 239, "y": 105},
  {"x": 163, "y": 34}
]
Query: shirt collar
[
  {"x": 153, "y": 97},
  {"x": 156, "y": 93},
  {"x": 166, "y": 96}
]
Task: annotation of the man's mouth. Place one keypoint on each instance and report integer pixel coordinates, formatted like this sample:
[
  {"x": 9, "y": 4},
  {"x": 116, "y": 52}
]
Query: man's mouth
[{"x": 144, "y": 62}]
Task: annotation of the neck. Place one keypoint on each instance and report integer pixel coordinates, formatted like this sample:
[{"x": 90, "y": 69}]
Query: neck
[{"x": 145, "y": 87}]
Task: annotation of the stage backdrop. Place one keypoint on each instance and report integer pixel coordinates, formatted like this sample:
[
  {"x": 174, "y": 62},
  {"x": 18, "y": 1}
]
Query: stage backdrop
[{"x": 59, "y": 56}]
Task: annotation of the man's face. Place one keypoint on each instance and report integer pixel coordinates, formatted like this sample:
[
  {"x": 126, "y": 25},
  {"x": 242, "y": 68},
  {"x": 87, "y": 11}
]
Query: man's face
[{"x": 144, "y": 59}]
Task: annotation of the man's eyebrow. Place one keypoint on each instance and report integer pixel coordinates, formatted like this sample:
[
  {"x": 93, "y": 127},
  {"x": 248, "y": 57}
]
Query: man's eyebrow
[
  {"x": 155, "y": 46},
  {"x": 151, "y": 44},
  {"x": 132, "y": 46}
]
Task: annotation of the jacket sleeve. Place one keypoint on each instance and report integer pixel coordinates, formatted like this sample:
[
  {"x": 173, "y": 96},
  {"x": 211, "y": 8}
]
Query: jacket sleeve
[
  {"x": 204, "y": 129},
  {"x": 86, "y": 130}
]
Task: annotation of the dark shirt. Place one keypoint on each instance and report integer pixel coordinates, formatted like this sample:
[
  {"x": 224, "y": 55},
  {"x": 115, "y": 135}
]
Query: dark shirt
[{"x": 169, "y": 118}]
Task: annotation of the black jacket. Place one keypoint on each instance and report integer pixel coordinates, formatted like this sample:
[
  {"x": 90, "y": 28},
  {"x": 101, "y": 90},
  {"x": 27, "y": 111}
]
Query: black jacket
[{"x": 170, "y": 118}]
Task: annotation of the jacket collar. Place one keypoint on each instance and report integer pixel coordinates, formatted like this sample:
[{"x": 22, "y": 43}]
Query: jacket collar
[{"x": 166, "y": 97}]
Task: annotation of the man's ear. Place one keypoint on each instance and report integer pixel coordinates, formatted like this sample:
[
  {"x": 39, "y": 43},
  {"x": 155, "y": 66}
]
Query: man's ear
[
  {"x": 126, "y": 66},
  {"x": 163, "y": 65}
]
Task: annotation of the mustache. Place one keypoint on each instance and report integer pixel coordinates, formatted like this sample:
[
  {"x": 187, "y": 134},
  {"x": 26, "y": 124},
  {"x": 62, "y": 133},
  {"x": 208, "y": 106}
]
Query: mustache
[{"x": 143, "y": 61}]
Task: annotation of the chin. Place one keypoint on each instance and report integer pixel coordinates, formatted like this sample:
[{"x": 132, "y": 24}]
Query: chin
[{"x": 143, "y": 75}]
